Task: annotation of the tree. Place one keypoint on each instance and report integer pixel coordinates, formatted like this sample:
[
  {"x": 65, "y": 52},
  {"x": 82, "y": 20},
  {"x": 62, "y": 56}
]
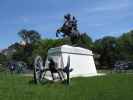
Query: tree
[
  {"x": 3, "y": 58},
  {"x": 106, "y": 48},
  {"x": 86, "y": 41},
  {"x": 24, "y": 52},
  {"x": 125, "y": 46},
  {"x": 30, "y": 36}
]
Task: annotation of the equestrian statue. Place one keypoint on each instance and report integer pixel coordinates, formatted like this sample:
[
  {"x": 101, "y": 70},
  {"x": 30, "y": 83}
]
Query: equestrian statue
[{"x": 69, "y": 28}]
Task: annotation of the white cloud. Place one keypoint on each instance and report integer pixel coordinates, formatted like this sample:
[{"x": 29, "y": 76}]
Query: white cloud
[{"x": 109, "y": 6}]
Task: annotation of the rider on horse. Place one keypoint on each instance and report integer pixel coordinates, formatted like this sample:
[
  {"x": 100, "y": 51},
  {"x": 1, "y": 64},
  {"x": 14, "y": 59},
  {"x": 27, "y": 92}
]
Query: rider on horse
[{"x": 69, "y": 27}]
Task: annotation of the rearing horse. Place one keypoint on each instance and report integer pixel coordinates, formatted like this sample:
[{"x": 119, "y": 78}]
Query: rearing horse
[{"x": 69, "y": 28}]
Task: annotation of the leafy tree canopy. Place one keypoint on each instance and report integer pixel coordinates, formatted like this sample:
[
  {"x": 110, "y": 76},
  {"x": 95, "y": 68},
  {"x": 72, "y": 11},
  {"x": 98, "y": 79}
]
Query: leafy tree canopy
[{"x": 29, "y": 36}]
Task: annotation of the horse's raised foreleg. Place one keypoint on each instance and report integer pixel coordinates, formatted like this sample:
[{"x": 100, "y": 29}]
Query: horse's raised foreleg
[{"x": 57, "y": 33}]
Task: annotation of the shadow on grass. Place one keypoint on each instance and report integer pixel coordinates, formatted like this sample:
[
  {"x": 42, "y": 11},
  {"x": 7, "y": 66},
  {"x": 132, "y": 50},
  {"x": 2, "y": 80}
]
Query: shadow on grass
[{"x": 48, "y": 82}]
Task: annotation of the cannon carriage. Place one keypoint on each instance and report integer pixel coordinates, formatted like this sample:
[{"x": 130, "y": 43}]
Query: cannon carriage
[{"x": 40, "y": 71}]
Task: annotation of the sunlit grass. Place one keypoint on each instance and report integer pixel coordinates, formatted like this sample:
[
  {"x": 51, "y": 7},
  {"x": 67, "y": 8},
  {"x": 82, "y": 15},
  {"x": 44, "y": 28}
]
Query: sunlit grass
[{"x": 109, "y": 87}]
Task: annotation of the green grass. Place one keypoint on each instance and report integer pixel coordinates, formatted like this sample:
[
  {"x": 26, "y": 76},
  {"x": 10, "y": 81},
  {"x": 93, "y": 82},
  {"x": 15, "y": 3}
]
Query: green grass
[{"x": 109, "y": 87}]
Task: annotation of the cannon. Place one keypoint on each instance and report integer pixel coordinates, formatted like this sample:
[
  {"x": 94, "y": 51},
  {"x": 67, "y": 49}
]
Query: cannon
[{"x": 40, "y": 70}]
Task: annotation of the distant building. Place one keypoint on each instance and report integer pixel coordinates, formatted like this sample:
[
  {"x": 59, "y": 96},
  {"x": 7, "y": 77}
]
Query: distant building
[
  {"x": 11, "y": 49},
  {"x": 8, "y": 51},
  {"x": 0, "y": 50}
]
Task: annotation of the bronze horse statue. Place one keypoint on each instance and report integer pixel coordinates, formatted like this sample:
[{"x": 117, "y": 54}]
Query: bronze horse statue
[{"x": 69, "y": 28}]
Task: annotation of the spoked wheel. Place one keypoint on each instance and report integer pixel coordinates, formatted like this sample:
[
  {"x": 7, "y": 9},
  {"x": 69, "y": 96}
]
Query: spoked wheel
[{"x": 38, "y": 69}]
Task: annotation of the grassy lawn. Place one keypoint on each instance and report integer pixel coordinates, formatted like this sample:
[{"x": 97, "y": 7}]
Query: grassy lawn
[{"x": 109, "y": 87}]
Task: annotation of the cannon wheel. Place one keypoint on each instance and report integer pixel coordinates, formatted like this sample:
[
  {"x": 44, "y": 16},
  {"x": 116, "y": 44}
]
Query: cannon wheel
[{"x": 38, "y": 69}]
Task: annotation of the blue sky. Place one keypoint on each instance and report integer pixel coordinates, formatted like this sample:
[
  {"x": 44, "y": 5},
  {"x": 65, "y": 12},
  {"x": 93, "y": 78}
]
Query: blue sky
[{"x": 96, "y": 17}]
